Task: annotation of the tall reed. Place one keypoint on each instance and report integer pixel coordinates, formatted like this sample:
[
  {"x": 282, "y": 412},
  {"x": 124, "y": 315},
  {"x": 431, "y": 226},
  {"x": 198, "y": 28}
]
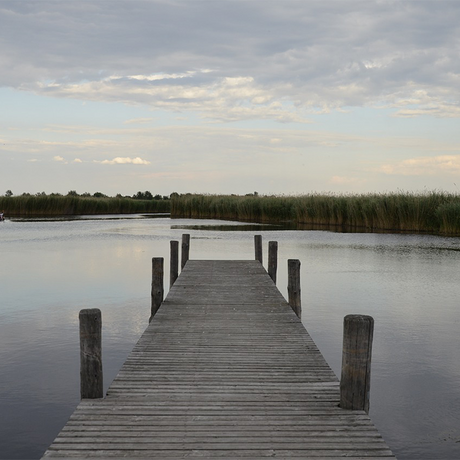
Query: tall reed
[
  {"x": 433, "y": 212},
  {"x": 56, "y": 205}
]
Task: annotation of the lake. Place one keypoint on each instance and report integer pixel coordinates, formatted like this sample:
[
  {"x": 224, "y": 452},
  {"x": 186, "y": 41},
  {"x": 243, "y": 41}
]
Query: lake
[{"x": 50, "y": 269}]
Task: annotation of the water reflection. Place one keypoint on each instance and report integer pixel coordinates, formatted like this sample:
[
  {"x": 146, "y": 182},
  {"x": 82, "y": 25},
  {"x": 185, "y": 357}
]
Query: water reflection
[
  {"x": 52, "y": 269},
  {"x": 231, "y": 227},
  {"x": 291, "y": 225},
  {"x": 104, "y": 217}
]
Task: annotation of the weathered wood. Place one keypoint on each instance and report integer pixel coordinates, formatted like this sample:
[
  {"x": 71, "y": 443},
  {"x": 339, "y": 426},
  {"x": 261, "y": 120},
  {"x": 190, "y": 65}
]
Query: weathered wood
[
  {"x": 157, "y": 285},
  {"x": 91, "y": 379},
  {"x": 225, "y": 370},
  {"x": 174, "y": 262},
  {"x": 272, "y": 259},
  {"x": 294, "y": 286},
  {"x": 358, "y": 332},
  {"x": 185, "y": 249},
  {"x": 258, "y": 248},
  {"x": 179, "y": 453}
]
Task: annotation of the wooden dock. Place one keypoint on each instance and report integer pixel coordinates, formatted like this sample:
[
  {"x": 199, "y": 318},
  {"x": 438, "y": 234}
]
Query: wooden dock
[{"x": 224, "y": 370}]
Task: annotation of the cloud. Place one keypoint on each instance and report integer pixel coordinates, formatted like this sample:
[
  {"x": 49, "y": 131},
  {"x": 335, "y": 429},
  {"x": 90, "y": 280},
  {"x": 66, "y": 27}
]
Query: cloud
[
  {"x": 236, "y": 60},
  {"x": 225, "y": 99},
  {"x": 426, "y": 166},
  {"x": 77, "y": 160},
  {"x": 344, "y": 180},
  {"x": 439, "y": 110},
  {"x": 138, "y": 121},
  {"x": 156, "y": 77},
  {"x": 58, "y": 158},
  {"x": 123, "y": 161}
]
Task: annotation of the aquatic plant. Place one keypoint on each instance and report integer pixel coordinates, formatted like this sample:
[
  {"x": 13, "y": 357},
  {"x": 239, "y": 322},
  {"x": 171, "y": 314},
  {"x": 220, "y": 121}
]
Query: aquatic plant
[
  {"x": 448, "y": 214},
  {"x": 57, "y": 205},
  {"x": 433, "y": 212}
]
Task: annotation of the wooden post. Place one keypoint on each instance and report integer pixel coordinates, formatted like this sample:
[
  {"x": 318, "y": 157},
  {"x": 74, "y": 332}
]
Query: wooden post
[
  {"x": 358, "y": 332},
  {"x": 157, "y": 284},
  {"x": 91, "y": 354},
  {"x": 185, "y": 249},
  {"x": 258, "y": 247},
  {"x": 272, "y": 259},
  {"x": 174, "y": 263},
  {"x": 294, "y": 285}
]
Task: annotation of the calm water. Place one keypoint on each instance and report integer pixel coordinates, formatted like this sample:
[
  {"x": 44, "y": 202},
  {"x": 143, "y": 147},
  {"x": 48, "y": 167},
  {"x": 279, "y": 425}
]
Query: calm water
[{"x": 51, "y": 269}]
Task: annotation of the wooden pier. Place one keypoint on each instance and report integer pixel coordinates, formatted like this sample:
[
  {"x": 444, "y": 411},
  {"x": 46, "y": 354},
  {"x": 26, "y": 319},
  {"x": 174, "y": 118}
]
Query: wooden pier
[{"x": 225, "y": 369}]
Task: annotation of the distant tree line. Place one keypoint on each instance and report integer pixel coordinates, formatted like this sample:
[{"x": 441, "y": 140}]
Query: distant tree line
[{"x": 137, "y": 196}]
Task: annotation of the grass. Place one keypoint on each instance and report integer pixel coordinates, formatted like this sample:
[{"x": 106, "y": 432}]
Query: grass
[
  {"x": 432, "y": 212},
  {"x": 56, "y": 205}
]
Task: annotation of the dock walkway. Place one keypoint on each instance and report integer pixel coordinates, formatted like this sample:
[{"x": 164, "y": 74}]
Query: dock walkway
[{"x": 224, "y": 370}]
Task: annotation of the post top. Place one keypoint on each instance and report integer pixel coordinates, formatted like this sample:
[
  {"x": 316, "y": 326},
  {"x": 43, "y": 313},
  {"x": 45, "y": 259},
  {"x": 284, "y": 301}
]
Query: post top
[
  {"x": 90, "y": 311},
  {"x": 356, "y": 317}
]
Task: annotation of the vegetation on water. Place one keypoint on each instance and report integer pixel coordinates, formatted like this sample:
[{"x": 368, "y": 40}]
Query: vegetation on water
[
  {"x": 55, "y": 204},
  {"x": 433, "y": 212}
]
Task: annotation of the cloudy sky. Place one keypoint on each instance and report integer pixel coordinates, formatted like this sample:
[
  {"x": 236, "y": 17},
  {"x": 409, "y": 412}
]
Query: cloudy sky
[{"x": 229, "y": 96}]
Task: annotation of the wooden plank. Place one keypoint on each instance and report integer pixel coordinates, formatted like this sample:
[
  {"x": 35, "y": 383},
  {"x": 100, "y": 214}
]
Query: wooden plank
[
  {"x": 225, "y": 369},
  {"x": 227, "y": 454}
]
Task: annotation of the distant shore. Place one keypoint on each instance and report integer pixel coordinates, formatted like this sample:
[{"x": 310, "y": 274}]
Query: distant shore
[
  {"x": 432, "y": 212},
  {"x": 57, "y": 205}
]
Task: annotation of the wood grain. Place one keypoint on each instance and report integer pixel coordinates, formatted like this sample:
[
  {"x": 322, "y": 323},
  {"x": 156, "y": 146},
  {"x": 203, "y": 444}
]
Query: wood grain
[{"x": 225, "y": 369}]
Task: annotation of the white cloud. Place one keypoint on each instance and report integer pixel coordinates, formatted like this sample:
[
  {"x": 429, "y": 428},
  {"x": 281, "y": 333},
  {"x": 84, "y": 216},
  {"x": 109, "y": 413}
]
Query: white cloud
[
  {"x": 425, "y": 166},
  {"x": 439, "y": 110},
  {"x": 225, "y": 99},
  {"x": 77, "y": 160},
  {"x": 58, "y": 158},
  {"x": 157, "y": 76},
  {"x": 123, "y": 161},
  {"x": 138, "y": 121}
]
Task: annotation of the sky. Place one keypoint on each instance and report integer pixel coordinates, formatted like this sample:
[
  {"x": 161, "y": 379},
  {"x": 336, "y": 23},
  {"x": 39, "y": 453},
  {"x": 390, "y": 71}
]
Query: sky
[{"x": 229, "y": 96}]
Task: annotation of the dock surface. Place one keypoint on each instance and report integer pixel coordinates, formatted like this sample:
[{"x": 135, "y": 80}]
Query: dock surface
[{"x": 224, "y": 370}]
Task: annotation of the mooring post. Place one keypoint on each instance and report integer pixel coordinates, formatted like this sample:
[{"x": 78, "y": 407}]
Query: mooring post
[
  {"x": 258, "y": 247},
  {"x": 294, "y": 286},
  {"x": 185, "y": 249},
  {"x": 174, "y": 263},
  {"x": 157, "y": 284},
  {"x": 358, "y": 332},
  {"x": 272, "y": 259},
  {"x": 91, "y": 353}
]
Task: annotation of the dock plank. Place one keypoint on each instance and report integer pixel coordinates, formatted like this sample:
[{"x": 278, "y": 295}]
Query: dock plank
[{"x": 224, "y": 370}]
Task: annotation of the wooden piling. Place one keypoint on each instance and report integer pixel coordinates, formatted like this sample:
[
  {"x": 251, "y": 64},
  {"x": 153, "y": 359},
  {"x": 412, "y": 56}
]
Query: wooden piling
[
  {"x": 255, "y": 386},
  {"x": 358, "y": 332},
  {"x": 258, "y": 247},
  {"x": 272, "y": 259},
  {"x": 91, "y": 354},
  {"x": 185, "y": 249},
  {"x": 294, "y": 286},
  {"x": 157, "y": 284},
  {"x": 174, "y": 263}
]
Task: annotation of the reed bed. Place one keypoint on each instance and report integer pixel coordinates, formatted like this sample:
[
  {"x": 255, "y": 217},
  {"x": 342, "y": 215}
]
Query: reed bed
[
  {"x": 56, "y": 205},
  {"x": 433, "y": 212}
]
